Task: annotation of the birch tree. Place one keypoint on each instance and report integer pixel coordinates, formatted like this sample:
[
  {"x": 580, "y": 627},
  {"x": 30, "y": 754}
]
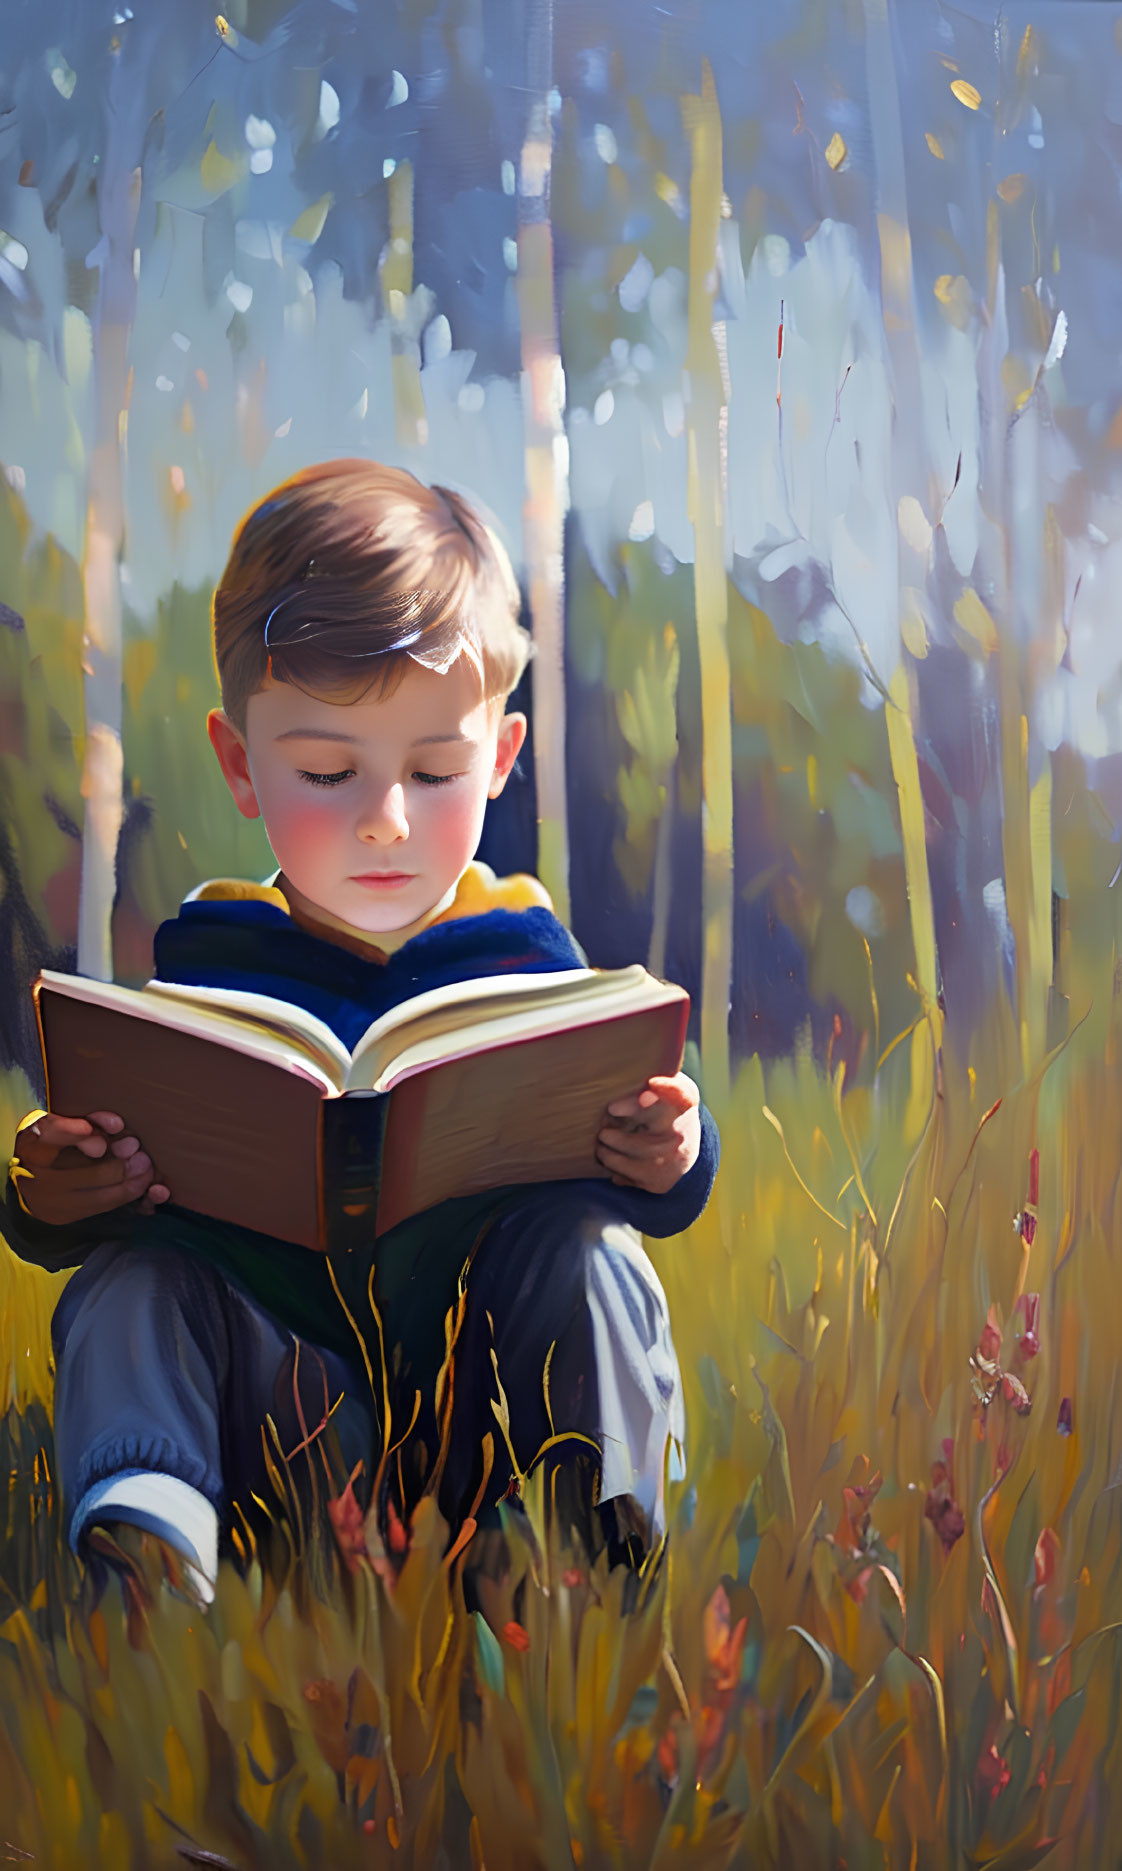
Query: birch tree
[
  {"x": 83, "y": 123},
  {"x": 546, "y": 498},
  {"x": 706, "y": 420}
]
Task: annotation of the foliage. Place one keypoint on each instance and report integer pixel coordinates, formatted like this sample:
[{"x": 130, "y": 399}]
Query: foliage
[{"x": 831, "y": 1664}]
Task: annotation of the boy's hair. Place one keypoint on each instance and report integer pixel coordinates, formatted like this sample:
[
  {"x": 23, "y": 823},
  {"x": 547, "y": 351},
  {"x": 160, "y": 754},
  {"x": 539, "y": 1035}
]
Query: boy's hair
[{"x": 348, "y": 569}]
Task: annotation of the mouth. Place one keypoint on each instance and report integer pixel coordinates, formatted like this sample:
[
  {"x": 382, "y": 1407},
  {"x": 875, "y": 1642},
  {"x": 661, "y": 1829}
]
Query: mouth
[{"x": 384, "y": 880}]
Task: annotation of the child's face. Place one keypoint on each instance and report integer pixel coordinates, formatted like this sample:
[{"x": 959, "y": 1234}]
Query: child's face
[{"x": 373, "y": 808}]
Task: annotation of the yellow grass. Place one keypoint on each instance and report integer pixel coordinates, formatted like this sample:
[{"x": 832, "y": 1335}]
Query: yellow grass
[{"x": 882, "y": 1702}]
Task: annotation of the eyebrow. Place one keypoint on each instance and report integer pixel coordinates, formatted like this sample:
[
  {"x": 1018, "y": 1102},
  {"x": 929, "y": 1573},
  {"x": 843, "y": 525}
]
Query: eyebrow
[{"x": 352, "y": 740}]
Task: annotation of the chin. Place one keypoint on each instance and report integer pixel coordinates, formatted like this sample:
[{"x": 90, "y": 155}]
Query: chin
[{"x": 395, "y": 912}]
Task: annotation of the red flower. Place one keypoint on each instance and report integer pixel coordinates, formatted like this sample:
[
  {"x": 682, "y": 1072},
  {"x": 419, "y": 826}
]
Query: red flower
[
  {"x": 724, "y": 1642},
  {"x": 858, "y": 1588},
  {"x": 516, "y": 1636},
  {"x": 346, "y": 1518},
  {"x": 398, "y": 1534},
  {"x": 1044, "y": 1558},
  {"x": 993, "y": 1772},
  {"x": 941, "y": 1508},
  {"x": 989, "y": 1345},
  {"x": 1015, "y": 1393},
  {"x": 857, "y": 1498},
  {"x": 1029, "y": 1305}
]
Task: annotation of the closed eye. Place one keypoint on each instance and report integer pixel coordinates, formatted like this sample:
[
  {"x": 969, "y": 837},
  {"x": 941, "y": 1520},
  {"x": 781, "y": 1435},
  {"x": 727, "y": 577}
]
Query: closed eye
[
  {"x": 326, "y": 779},
  {"x": 436, "y": 779}
]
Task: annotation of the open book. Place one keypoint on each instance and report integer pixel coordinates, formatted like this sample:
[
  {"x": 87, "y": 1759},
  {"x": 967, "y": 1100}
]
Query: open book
[{"x": 254, "y": 1112}]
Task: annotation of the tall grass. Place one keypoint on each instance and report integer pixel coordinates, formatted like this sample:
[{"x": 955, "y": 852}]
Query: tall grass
[{"x": 886, "y": 1632}]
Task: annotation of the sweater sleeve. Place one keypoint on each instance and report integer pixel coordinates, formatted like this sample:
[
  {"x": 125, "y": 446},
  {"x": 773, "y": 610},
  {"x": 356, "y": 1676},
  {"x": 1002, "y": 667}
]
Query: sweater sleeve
[{"x": 674, "y": 1212}]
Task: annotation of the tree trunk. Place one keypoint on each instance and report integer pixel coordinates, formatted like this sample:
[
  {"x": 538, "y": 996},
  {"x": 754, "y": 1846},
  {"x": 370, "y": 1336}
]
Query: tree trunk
[
  {"x": 909, "y": 477},
  {"x": 546, "y": 455},
  {"x": 397, "y": 287},
  {"x": 706, "y": 418},
  {"x": 662, "y": 891},
  {"x": 118, "y": 197}
]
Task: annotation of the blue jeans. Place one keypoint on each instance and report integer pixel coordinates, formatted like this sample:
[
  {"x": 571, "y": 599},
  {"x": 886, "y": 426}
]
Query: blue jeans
[{"x": 164, "y": 1363}]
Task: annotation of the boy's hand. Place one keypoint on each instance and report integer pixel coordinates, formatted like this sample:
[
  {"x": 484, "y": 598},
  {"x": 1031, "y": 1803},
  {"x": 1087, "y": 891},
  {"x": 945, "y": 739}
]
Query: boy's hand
[
  {"x": 71, "y": 1168},
  {"x": 659, "y": 1136}
]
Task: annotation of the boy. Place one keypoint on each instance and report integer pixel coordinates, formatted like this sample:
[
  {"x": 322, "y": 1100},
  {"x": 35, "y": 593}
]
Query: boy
[{"x": 367, "y": 639}]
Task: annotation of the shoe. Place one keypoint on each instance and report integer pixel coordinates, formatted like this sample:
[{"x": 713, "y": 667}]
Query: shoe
[
  {"x": 170, "y": 1512},
  {"x": 138, "y": 1558}
]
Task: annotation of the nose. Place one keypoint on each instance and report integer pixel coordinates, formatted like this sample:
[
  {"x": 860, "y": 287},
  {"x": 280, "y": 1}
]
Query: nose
[{"x": 382, "y": 820}]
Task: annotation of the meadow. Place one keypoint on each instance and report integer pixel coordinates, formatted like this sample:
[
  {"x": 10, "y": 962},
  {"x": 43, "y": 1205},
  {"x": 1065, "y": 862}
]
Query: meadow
[{"x": 886, "y": 1629}]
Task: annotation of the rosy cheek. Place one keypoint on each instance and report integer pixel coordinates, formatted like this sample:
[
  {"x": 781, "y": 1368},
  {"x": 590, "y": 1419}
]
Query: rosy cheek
[
  {"x": 299, "y": 822},
  {"x": 456, "y": 820}
]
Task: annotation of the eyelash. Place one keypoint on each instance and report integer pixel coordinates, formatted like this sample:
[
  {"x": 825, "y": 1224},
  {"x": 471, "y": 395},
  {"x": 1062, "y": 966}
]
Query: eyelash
[{"x": 335, "y": 779}]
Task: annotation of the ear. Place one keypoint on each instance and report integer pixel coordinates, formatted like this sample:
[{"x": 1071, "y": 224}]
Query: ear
[
  {"x": 512, "y": 733},
  {"x": 230, "y": 747}
]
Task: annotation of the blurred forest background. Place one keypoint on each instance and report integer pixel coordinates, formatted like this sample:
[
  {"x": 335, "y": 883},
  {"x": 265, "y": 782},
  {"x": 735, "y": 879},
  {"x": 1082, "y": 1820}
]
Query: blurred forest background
[{"x": 783, "y": 345}]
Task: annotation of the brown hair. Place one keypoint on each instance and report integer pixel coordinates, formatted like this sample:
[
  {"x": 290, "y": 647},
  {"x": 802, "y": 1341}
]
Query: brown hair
[{"x": 353, "y": 560}]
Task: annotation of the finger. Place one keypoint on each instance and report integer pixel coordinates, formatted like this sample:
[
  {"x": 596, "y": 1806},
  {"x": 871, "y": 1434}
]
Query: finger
[
  {"x": 38, "y": 1143},
  {"x": 644, "y": 1145},
  {"x": 54, "y": 1198},
  {"x": 656, "y": 1117},
  {"x": 107, "y": 1120},
  {"x": 679, "y": 1092},
  {"x": 629, "y": 1162},
  {"x": 99, "y": 1201},
  {"x": 154, "y": 1198},
  {"x": 124, "y": 1146},
  {"x": 110, "y": 1173},
  {"x": 641, "y": 1101},
  {"x": 94, "y": 1145}
]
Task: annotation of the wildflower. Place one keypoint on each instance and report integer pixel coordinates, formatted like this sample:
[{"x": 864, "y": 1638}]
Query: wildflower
[
  {"x": 989, "y": 1345},
  {"x": 858, "y": 1588},
  {"x": 516, "y": 1636},
  {"x": 1044, "y": 1559},
  {"x": 1015, "y": 1393},
  {"x": 572, "y": 1576},
  {"x": 724, "y": 1643},
  {"x": 397, "y": 1533},
  {"x": 1029, "y": 1342},
  {"x": 993, "y": 1772},
  {"x": 346, "y": 1519},
  {"x": 857, "y": 1499},
  {"x": 940, "y": 1507}
]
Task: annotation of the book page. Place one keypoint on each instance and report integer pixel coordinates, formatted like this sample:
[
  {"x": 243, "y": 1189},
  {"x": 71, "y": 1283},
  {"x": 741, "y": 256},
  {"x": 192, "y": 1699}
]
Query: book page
[
  {"x": 608, "y": 998},
  {"x": 212, "y": 1020},
  {"x": 303, "y": 1030},
  {"x": 448, "y": 1010}
]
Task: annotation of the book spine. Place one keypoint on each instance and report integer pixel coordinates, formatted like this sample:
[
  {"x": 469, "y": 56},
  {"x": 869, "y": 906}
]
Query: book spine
[{"x": 352, "y": 1130}]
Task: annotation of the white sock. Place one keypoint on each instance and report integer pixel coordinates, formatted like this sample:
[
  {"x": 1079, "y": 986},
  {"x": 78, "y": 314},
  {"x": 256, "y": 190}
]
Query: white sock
[{"x": 163, "y": 1505}]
